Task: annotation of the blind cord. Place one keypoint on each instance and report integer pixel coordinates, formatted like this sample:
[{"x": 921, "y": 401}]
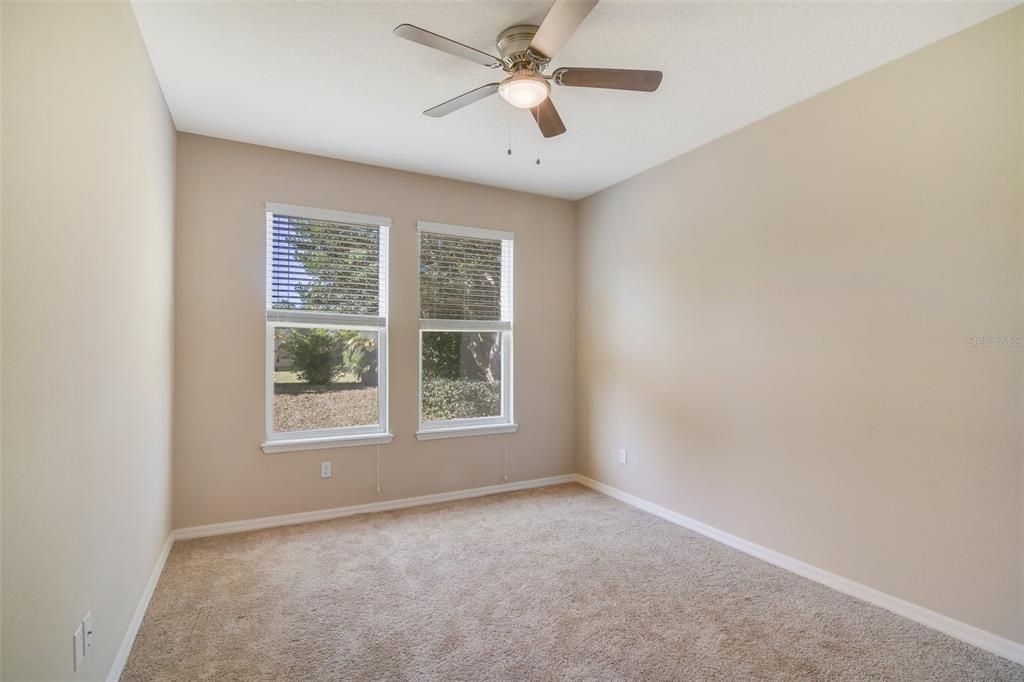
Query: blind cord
[{"x": 506, "y": 457}]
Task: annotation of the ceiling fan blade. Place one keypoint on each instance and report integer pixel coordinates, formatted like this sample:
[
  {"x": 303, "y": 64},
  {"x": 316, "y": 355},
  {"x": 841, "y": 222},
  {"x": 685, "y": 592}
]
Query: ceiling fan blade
[
  {"x": 547, "y": 118},
  {"x": 615, "y": 79},
  {"x": 562, "y": 19},
  {"x": 462, "y": 100},
  {"x": 438, "y": 42}
]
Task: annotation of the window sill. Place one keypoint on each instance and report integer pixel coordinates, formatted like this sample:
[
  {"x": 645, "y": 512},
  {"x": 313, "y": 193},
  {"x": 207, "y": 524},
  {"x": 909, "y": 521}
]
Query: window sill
[
  {"x": 462, "y": 431},
  {"x": 272, "y": 447}
]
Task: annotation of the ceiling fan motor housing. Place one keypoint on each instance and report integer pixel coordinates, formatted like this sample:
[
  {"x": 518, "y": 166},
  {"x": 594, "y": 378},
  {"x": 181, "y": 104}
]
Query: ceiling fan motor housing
[{"x": 514, "y": 48}]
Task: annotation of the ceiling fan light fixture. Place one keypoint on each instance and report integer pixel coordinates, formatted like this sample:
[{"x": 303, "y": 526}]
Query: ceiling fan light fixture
[
  {"x": 524, "y": 89},
  {"x": 525, "y": 52}
]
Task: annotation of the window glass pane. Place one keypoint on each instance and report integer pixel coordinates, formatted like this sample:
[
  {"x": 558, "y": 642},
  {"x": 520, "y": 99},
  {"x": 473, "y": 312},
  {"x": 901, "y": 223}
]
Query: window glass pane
[
  {"x": 461, "y": 375},
  {"x": 460, "y": 277},
  {"x": 324, "y": 378},
  {"x": 324, "y": 266}
]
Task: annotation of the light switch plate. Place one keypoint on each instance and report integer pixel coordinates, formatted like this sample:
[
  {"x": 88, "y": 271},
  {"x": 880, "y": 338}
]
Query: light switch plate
[
  {"x": 87, "y": 632},
  {"x": 79, "y": 649},
  {"x": 325, "y": 469},
  {"x": 623, "y": 457}
]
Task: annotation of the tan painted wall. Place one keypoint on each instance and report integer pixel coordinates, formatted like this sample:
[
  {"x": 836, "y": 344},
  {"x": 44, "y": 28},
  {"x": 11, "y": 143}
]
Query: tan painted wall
[
  {"x": 778, "y": 326},
  {"x": 220, "y": 473},
  {"x": 88, "y": 184},
  {"x": 1, "y": 340}
]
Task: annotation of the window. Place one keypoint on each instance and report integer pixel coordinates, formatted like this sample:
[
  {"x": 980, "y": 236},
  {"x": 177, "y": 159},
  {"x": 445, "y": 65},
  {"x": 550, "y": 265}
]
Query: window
[
  {"x": 327, "y": 336},
  {"x": 465, "y": 331}
]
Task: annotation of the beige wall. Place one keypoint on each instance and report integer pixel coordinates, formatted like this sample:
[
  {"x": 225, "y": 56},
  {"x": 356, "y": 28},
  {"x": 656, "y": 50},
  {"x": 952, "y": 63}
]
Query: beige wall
[
  {"x": 1, "y": 339},
  {"x": 777, "y": 326},
  {"x": 88, "y": 185},
  {"x": 220, "y": 472}
]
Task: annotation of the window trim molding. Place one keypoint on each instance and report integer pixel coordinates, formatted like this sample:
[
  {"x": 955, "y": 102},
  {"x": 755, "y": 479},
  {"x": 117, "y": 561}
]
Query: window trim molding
[
  {"x": 476, "y": 426},
  {"x": 465, "y": 326},
  {"x": 318, "y": 318},
  {"x": 344, "y": 436},
  {"x": 273, "y": 447},
  {"x": 463, "y": 231},
  {"x": 465, "y": 431},
  {"x": 328, "y": 214}
]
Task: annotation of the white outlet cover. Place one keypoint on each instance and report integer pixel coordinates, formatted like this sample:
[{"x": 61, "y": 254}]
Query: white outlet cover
[
  {"x": 79, "y": 650},
  {"x": 325, "y": 469},
  {"x": 623, "y": 457},
  {"x": 87, "y": 632}
]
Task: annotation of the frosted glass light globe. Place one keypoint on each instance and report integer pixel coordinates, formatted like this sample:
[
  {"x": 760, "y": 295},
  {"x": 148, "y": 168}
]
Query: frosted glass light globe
[{"x": 524, "y": 90}]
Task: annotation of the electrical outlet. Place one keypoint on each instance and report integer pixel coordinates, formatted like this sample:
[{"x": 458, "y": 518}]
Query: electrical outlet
[
  {"x": 623, "y": 457},
  {"x": 87, "y": 632},
  {"x": 78, "y": 644},
  {"x": 325, "y": 469}
]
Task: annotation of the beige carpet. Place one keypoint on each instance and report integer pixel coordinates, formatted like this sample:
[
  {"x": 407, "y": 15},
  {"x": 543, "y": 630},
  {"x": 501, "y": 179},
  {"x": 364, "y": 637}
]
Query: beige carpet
[{"x": 556, "y": 583}]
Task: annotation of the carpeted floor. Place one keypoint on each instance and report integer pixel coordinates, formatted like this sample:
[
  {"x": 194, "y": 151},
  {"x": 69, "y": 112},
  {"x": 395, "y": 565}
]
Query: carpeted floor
[{"x": 554, "y": 583}]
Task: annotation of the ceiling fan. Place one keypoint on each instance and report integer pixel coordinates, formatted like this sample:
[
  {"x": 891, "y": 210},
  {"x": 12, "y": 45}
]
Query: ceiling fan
[{"x": 526, "y": 51}]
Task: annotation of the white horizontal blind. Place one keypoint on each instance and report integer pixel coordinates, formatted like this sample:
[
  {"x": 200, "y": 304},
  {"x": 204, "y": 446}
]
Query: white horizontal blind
[
  {"x": 325, "y": 266},
  {"x": 465, "y": 277}
]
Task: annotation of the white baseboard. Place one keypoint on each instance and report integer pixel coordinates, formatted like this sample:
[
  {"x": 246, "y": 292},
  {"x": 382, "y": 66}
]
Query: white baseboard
[
  {"x": 970, "y": 634},
  {"x": 337, "y": 512},
  {"x": 140, "y": 611}
]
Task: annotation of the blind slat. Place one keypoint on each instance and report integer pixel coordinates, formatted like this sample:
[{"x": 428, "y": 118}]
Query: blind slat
[
  {"x": 464, "y": 278},
  {"x": 325, "y": 266}
]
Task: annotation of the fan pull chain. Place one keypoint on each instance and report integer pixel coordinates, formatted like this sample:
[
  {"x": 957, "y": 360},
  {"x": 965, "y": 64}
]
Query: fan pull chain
[
  {"x": 378, "y": 467},
  {"x": 538, "y": 152},
  {"x": 509, "y": 149}
]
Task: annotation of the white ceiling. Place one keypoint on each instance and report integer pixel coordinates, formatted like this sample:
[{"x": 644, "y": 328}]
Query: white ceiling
[{"x": 331, "y": 79}]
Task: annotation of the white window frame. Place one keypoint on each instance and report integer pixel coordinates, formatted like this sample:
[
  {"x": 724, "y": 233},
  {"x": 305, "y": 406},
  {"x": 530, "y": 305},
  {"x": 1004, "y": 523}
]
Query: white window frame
[
  {"x": 343, "y": 436},
  {"x": 476, "y": 426}
]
